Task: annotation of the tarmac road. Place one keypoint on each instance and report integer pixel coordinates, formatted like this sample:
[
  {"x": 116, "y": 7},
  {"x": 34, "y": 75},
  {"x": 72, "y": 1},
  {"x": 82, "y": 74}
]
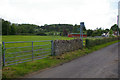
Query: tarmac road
[{"x": 99, "y": 64}]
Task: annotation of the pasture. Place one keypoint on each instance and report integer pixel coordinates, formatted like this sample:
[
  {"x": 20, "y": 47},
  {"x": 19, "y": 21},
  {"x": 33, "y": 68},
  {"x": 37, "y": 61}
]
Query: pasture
[
  {"x": 23, "y": 51},
  {"x": 11, "y": 38}
]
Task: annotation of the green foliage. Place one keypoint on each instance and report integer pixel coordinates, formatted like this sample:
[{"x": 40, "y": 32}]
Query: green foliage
[
  {"x": 41, "y": 33},
  {"x": 5, "y": 27},
  {"x": 119, "y": 30},
  {"x": 93, "y": 42},
  {"x": 114, "y": 27},
  {"x": 111, "y": 32},
  {"x": 106, "y": 30},
  {"x": 89, "y": 32},
  {"x": 97, "y": 32},
  {"x": 13, "y": 29},
  {"x": 26, "y": 29},
  {"x": 9, "y": 28}
]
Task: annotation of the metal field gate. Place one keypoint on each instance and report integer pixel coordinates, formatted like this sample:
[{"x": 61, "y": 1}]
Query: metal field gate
[{"x": 24, "y": 51}]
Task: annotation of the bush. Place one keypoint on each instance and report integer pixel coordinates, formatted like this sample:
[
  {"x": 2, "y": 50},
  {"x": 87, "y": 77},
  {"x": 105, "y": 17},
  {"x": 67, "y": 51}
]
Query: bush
[
  {"x": 91, "y": 43},
  {"x": 41, "y": 34}
]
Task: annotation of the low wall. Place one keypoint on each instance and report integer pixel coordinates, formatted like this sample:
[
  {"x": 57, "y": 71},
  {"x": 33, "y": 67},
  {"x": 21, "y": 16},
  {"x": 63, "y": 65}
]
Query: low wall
[{"x": 62, "y": 46}]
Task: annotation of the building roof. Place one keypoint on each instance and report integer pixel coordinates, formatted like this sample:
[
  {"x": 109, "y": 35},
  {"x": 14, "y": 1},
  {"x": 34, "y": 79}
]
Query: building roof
[{"x": 77, "y": 33}]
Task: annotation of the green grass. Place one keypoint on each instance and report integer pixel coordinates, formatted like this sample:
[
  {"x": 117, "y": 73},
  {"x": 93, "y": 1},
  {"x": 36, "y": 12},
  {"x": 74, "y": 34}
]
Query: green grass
[
  {"x": 11, "y": 38},
  {"x": 22, "y": 69},
  {"x": 14, "y": 38}
]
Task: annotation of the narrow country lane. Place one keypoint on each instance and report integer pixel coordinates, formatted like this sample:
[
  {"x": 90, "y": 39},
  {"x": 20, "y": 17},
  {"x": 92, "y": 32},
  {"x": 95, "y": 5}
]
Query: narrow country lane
[{"x": 99, "y": 64}]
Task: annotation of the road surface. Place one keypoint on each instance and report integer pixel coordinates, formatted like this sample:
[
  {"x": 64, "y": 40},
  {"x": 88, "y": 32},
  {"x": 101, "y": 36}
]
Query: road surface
[{"x": 99, "y": 64}]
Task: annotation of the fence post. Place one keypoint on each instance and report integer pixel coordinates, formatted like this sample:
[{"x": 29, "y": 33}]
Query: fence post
[
  {"x": 3, "y": 54},
  {"x": 32, "y": 51},
  {"x": 52, "y": 47}
]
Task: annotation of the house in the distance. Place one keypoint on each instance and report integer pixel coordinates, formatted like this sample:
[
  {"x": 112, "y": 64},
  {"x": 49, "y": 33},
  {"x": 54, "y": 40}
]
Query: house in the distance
[
  {"x": 115, "y": 33},
  {"x": 105, "y": 34}
]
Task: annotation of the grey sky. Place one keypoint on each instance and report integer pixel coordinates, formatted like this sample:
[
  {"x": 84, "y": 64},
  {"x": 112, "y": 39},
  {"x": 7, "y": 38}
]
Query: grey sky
[{"x": 95, "y": 13}]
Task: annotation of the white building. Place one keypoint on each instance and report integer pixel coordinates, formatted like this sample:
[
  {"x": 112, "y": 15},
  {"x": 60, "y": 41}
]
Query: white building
[{"x": 105, "y": 34}]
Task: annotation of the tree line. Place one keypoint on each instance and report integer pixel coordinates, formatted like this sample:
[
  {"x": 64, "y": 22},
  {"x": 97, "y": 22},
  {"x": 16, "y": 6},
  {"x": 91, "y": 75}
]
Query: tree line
[
  {"x": 9, "y": 28},
  {"x": 100, "y": 31}
]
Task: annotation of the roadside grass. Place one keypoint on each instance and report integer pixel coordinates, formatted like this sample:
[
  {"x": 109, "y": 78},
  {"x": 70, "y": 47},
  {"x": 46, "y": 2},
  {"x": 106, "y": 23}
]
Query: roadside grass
[{"x": 20, "y": 70}]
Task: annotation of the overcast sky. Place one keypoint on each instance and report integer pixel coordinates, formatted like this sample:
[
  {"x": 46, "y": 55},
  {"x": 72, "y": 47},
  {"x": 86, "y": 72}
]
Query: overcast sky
[{"x": 95, "y": 13}]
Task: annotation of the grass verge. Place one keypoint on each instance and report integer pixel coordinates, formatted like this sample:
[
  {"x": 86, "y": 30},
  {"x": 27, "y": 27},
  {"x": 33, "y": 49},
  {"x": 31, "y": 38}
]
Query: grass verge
[{"x": 15, "y": 71}]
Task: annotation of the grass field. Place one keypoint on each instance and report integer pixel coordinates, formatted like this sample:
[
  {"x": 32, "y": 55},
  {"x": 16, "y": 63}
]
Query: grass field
[
  {"x": 41, "y": 48},
  {"x": 32, "y": 38}
]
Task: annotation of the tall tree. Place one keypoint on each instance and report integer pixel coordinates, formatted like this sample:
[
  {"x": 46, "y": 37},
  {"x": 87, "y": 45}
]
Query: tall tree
[
  {"x": 89, "y": 32},
  {"x": 5, "y": 27},
  {"x": 111, "y": 32},
  {"x": 13, "y": 29},
  {"x": 114, "y": 27}
]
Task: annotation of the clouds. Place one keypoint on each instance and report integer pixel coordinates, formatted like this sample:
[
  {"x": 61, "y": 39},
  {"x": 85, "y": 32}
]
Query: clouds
[{"x": 95, "y": 13}]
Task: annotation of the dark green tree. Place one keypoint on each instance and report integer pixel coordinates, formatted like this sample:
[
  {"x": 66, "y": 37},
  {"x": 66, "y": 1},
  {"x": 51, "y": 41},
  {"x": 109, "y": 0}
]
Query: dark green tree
[
  {"x": 111, "y": 32},
  {"x": 114, "y": 27},
  {"x": 13, "y": 29},
  {"x": 106, "y": 30},
  {"x": 89, "y": 32},
  {"x": 5, "y": 27}
]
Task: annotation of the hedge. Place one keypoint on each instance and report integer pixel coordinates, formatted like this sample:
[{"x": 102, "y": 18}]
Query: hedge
[{"x": 93, "y": 42}]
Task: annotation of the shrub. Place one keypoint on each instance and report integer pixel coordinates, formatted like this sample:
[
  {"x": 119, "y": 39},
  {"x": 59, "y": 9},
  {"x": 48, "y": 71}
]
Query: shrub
[
  {"x": 41, "y": 34},
  {"x": 91, "y": 42}
]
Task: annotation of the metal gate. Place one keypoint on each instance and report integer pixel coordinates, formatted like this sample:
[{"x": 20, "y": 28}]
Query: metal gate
[{"x": 24, "y": 51}]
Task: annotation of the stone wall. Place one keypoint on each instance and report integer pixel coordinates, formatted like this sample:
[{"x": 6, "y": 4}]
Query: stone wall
[{"x": 62, "y": 46}]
